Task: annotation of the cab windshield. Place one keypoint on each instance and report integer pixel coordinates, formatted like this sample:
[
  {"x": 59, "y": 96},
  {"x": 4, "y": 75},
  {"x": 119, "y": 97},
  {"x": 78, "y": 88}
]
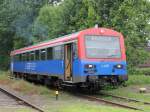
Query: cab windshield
[{"x": 102, "y": 47}]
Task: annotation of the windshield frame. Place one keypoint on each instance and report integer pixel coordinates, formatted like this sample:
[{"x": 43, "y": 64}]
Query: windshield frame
[{"x": 104, "y": 36}]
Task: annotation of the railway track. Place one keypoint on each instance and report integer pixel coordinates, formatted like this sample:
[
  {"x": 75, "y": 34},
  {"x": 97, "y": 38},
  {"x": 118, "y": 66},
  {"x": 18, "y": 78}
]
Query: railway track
[
  {"x": 125, "y": 98},
  {"x": 93, "y": 98},
  {"x": 9, "y": 98},
  {"x": 6, "y": 101}
]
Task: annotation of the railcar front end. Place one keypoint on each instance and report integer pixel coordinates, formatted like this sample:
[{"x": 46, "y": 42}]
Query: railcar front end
[{"x": 102, "y": 58}]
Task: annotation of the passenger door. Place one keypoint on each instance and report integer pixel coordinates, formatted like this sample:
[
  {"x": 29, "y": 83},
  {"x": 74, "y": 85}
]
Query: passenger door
[{"x": 68, "y": 62}]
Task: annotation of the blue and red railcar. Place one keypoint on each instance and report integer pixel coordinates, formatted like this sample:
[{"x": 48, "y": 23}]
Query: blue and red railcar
[{"x": 89, "y": 58}]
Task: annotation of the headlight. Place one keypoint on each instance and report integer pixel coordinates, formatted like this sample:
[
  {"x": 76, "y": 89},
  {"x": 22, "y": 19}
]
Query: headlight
[
  {"x": 90, "y": 69},
  {"x": 89, "y": 66},
  {"x": 119, "y": 66}
]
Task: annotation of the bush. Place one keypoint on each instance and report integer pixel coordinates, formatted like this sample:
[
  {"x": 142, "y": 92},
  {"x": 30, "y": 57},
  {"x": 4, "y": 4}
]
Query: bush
[
  {"x": 142, "y": 71},
  {"x": 138, "y": 79}
]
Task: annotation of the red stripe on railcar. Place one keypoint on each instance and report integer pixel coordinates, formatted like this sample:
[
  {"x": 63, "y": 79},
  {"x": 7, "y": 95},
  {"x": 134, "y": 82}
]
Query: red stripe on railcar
[
  {"x": 103, "y": 32},
  {"x": 57, "y": 41}
]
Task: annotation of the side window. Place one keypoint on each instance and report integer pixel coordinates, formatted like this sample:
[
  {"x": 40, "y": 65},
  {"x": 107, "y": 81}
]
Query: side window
[
  {"x": 20, "y": 57},
  {"x": 17, "y": 57},
  {"x": 62, "y": 52},
  {"x": 37, "y": 55},
  {"x": 43, "y": 54},
  {"x": 57, "y": 54},
  {"x": 32, "y": 55},
  {"x": 75, "y": 50},
  {"x": 28, "y": 56},
  {"x": 23, "y": 57},
  {"x": 49, "y": 53}
]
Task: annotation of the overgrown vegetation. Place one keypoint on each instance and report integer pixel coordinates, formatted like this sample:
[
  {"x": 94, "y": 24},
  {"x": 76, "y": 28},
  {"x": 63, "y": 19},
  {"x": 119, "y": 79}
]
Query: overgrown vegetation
[
  {"x": 138, "y": 80},
  {"x": 31, "y": 88},
  {"x": 30, "y": 21},
  {"x": 134, "y": 84},
  {"x": 23, "y": 86},
  {"x": 89, "y": 108},
  {"x": 74, "y": 102},
  {"x": 142, "y": 71}
]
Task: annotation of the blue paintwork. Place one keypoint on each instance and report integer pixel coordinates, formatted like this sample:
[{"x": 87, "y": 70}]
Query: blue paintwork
[
  {"x": 57, "y": 67},
  {"x": 40, "y": 67},
  {"x": 105, "y": 68}
]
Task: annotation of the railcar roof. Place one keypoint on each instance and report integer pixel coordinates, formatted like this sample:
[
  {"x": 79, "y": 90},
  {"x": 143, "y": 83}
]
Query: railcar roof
[
  {"x": 45, "y": 43},
  {"x": 56, "y": 41}
]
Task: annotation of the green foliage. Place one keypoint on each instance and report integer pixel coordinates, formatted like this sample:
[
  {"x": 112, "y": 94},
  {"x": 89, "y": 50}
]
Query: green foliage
[
  {"x": 19, "y": 42},
  {"x": 142, "y": 71},
  {"x": 132, "y": 20},
  {"x": 127, "y": 16},
  {"x": 16, "y": 18},
  {"x": 50, "y": 19},
  {"x": 92, "y": 108},
  {"x": 138, "y": 79},
  {"x": 135, "y": 57},
  {"x": 134, "y": 83},
  {"x": 27, "y": 21},
  {"x": 23, "y": 86}
]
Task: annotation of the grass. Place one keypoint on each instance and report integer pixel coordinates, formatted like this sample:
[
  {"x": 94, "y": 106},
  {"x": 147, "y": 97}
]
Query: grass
[
  {"x": 138, "y": 80},
  {"x": 16, "y": 110},
  {"x": 69, "y": 103},
  {"x": 78, "y": 105},
  {"x": 139, "y": 105},
  {"x": 23, "y": 86},
  {"x": 132, "y": 90},
  {"x": 144, "y": 71},
  {"x": 93, "y": 108},
  {"x": 4, "y": 79},
  {"x": 29, "y": 88}
]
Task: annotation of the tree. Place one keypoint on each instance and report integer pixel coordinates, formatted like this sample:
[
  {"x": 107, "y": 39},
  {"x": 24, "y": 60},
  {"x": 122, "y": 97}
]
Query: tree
[
  {"x": 129, "y": 17},
  {"x": 16, "y": 18},
  {"x": 132, "y": 20},
  {"x": 49, "y": 21}
]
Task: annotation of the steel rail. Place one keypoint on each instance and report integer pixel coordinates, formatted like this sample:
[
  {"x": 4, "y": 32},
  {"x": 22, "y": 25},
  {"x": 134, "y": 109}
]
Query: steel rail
[
  {"x": 125, "y": 98},
  {"x": 109, "y": 102},
  {"x": 14, "y": 96}
]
